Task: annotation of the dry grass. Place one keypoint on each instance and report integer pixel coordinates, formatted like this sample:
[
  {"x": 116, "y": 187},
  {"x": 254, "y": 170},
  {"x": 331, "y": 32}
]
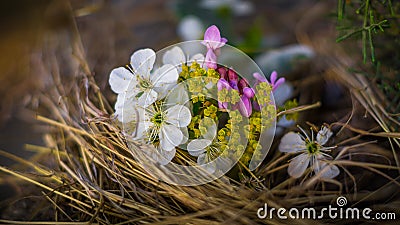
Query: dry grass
[{"x": 87, "y": 174}]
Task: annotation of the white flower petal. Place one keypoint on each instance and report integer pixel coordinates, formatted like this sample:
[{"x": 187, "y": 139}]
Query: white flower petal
[
  {"x": 142, "y": 62},
  {"x": 147, "y": 98},
  {"x": 170, "y": 137},
  {"x": 143, "y": 124},
  {"x": 178, "y": 115},
  {"x": 167, "y": 74},
  {"x": 323, "y": 135},
  {"x": 199, "y": 58},
  {"x": 163, "y": 157},
  {"x": 185, "y": 133},
  {"x": 211, "y": 130},
  {"x": 328, "y": 171},
  {"x": 175, "y": 56},
  {"x": 209, "y": 167},
  {"x": 178, "y": 95},
  {"x": 298, "y": 165},
  {"x": 129, "y": 113},
  {"x": 164, "y": 90},
  {"x": 292, "y": 142},
  {"x": 119, "y": 79},
  {"x": 120, "y": 101},
  {"x": 197, "y": 146}
]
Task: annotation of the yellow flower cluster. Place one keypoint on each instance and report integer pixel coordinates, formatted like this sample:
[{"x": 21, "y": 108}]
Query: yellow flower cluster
[
  {"x": 231, "y": 96},
  {"x": 211, "y": 111},
  {"x": 268, "y": 110},
  {"x": 252, "y": 131}
]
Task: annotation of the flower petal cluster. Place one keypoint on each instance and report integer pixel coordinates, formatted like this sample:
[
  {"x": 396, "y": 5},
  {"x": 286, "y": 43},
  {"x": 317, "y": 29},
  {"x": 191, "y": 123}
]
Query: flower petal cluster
[
  {"x": 312, "y": 152},
  {"x": 213, "y": 41}
]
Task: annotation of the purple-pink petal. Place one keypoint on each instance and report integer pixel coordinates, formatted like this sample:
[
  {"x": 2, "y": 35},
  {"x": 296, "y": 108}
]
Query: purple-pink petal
[
  {"x": 278, "y": 83},
  {"x": 223, "y": 84},
  {"x": 223, "y": 40},
  {"x": 245, "y": 106},
  {"x": 248, "y": 92},
  {"x": 212, "y": 34},
  {"x": 260, "y": 78},
  {"x": 232, "y": 75},
  {"x": 222, "y": 105},
  {"x": 211, "y": 59},
  {"x": 273, "y": 77},
  {"x": 212, "y": 38},
  {"x": 243, "y": 83}
]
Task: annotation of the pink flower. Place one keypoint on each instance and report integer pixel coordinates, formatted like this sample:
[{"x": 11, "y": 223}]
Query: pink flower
[
  {"x": 213, "y": 41},
  {"x": 223, "y": 84},
  {"x": 274, "y": 75},
  {"x": 275, "y": 84},
  {"x": 244, "y": 105}
]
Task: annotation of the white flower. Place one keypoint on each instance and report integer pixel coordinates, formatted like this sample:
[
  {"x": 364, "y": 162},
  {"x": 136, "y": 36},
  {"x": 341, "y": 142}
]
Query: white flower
[
  {"x": 165, "y": 129},
  {"x": 208, "y": 148},
  {"x": 140, "y": 86},
  {"x": 175, "y": 56},
  {"x": 312, "y": 151}
]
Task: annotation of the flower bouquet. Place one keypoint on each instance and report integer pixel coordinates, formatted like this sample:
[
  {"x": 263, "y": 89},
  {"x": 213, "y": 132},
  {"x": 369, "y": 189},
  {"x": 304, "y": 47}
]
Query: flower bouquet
[{"x": 215, "y": 109}]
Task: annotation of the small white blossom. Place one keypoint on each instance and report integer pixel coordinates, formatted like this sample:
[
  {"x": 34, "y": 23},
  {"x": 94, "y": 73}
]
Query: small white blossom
[
  {"x": 312, "y": 151},
  {"x": 175, "y": 56},
  {"x": 165, "y": 129},
  {"x": 207, "y": 148},
  {"x": 140, "y": 86}
]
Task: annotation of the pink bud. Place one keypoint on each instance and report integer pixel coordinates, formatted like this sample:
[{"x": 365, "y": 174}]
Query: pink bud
[
  {"x": 248, "y": 92},
  {"x": 245, "y": 106},
  {"x": 232, "y": 75},
  {"x": 242, "y": 84},
  {"x": 223, "y": 72}
]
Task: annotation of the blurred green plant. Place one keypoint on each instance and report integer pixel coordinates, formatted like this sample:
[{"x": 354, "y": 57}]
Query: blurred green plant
[{"x": 377, "y": 24}]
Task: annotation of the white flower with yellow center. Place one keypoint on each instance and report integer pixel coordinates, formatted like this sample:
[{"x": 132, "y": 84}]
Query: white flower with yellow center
[
  {"x": 312, "y": 151},
  {"x": 207, "y": 148},
  {"x": 165, "y": 129},
  {"x": 140, "y": 86}
]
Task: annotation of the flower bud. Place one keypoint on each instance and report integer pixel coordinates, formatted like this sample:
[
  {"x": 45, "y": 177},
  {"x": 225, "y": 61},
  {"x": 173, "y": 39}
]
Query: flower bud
[
  {"x": 232, "y": 75},
  {"x": 245, "y": 107},
  {"x": 242, "y": 84},
  {"x": 222, "y": 71},
  {"x": 248, "y": 92}
]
